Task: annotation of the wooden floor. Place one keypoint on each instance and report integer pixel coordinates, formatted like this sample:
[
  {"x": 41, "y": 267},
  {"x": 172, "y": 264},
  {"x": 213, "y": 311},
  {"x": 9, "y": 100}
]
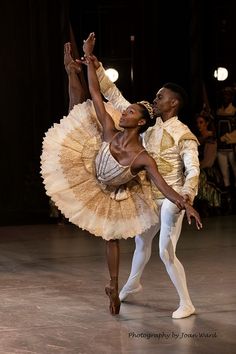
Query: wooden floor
[{"x": 53, "y": 300}]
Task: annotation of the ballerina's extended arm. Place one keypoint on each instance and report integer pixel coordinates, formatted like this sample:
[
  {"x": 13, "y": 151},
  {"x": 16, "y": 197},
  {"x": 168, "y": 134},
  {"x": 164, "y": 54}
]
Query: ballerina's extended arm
[{"x": 104, "y": 118}]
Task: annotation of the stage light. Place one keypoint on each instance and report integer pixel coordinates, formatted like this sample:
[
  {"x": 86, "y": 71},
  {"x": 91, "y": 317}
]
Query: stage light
[
  {"x": 112, "y": 74},
  {"x": 221, "y": 74}
]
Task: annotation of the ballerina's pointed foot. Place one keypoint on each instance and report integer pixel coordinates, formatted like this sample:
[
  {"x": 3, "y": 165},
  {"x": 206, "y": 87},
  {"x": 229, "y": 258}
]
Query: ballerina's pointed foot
[
  {"x": 113, "y": 295},
  {"x": 184, "y": 311}
]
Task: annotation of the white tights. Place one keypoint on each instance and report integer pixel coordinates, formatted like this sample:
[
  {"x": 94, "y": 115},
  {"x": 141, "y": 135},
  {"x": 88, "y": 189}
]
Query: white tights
[{"x": 170, "y": 227}]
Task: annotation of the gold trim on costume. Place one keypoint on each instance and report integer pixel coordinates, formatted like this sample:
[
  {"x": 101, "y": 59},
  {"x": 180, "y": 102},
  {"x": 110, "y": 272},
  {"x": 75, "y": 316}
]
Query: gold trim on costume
[
  {"x": 167, "y": 141},
  {"x": 189, "y": 136}
]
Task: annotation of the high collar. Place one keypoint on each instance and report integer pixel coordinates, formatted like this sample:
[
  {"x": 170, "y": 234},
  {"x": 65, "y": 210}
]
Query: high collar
[{"x": 167, "y": 122}]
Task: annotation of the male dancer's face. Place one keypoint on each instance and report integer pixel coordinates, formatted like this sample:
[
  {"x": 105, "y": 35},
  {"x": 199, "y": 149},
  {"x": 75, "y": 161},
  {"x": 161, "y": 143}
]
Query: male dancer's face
[{"x": 164, "y": 102}]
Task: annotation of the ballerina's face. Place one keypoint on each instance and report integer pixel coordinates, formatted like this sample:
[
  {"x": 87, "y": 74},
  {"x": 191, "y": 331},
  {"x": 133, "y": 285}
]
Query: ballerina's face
[{"x": 131, "y": 117}]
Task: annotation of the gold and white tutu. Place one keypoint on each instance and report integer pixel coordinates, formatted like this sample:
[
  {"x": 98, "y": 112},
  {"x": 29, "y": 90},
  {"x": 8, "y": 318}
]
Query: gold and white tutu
[{"x": 68, "y": 171}]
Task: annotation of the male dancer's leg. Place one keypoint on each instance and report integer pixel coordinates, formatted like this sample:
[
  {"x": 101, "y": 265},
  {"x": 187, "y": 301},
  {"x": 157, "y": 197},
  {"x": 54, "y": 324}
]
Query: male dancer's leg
[
  {"x": 142, "y": 253},
  {"x": 171, "y": 224}
]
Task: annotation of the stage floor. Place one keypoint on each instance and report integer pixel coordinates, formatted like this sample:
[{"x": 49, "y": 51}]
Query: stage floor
[{"x": 53, "y": 299}]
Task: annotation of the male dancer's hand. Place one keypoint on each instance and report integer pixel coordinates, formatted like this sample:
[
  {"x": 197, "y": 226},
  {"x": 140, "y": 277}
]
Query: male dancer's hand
[
  {"x": 91, "y": 57},
  {"x": 71, "y": 65}
]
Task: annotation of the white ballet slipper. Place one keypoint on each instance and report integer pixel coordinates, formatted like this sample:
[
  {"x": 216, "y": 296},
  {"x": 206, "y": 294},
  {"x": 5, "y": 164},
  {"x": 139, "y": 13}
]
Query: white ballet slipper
[
  {"x": 183, "y": 311},
  {"x": 125, "y": 292}
]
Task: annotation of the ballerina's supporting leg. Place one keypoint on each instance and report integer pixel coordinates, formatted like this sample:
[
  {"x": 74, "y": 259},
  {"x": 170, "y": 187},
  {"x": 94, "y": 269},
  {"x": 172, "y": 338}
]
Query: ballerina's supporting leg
[{"x": 113, "y": 259}]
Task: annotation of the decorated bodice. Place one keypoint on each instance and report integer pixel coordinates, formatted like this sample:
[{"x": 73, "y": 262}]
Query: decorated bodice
[{"x": 108, "y": 170}]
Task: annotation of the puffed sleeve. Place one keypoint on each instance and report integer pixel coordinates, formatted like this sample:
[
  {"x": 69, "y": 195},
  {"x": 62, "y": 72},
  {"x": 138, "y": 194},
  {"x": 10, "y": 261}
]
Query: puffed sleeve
[
  {"x": 110, "y": 91},
  {"x": 189, "y": 154}
]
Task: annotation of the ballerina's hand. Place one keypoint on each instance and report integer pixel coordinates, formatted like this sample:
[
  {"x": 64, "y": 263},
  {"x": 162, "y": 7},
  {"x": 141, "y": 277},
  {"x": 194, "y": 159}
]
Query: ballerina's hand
[
  {"x": 186, "y": 198},
  {"x": 192, "y": 213},
  {"x": 89, "y": 44}
]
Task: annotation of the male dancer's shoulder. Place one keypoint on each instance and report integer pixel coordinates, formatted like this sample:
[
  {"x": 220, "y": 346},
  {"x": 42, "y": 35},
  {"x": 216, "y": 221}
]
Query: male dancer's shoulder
[{"x": 183, "y": 132}]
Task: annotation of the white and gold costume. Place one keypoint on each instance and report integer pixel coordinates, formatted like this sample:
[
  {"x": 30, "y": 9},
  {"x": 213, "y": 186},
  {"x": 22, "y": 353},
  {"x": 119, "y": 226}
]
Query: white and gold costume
[{"x": 175, "y": 150}]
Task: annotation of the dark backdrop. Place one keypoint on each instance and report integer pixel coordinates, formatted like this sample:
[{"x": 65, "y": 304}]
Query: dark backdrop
[
  {"x": 32, "y": 98},
  {"x": 173, "y": 41}
]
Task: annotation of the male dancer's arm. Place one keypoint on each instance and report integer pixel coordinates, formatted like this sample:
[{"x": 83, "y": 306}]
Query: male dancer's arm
[
  {"x": 189, "y": 154},
  {"x": 110, "y": 91}
]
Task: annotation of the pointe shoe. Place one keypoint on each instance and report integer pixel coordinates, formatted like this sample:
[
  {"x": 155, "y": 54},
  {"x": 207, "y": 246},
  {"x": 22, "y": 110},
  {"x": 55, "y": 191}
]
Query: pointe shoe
[
  {"x": 183, "y": 311},
  {"x": 112, "y": 293},
  {"x": 124, "y": 293}
]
